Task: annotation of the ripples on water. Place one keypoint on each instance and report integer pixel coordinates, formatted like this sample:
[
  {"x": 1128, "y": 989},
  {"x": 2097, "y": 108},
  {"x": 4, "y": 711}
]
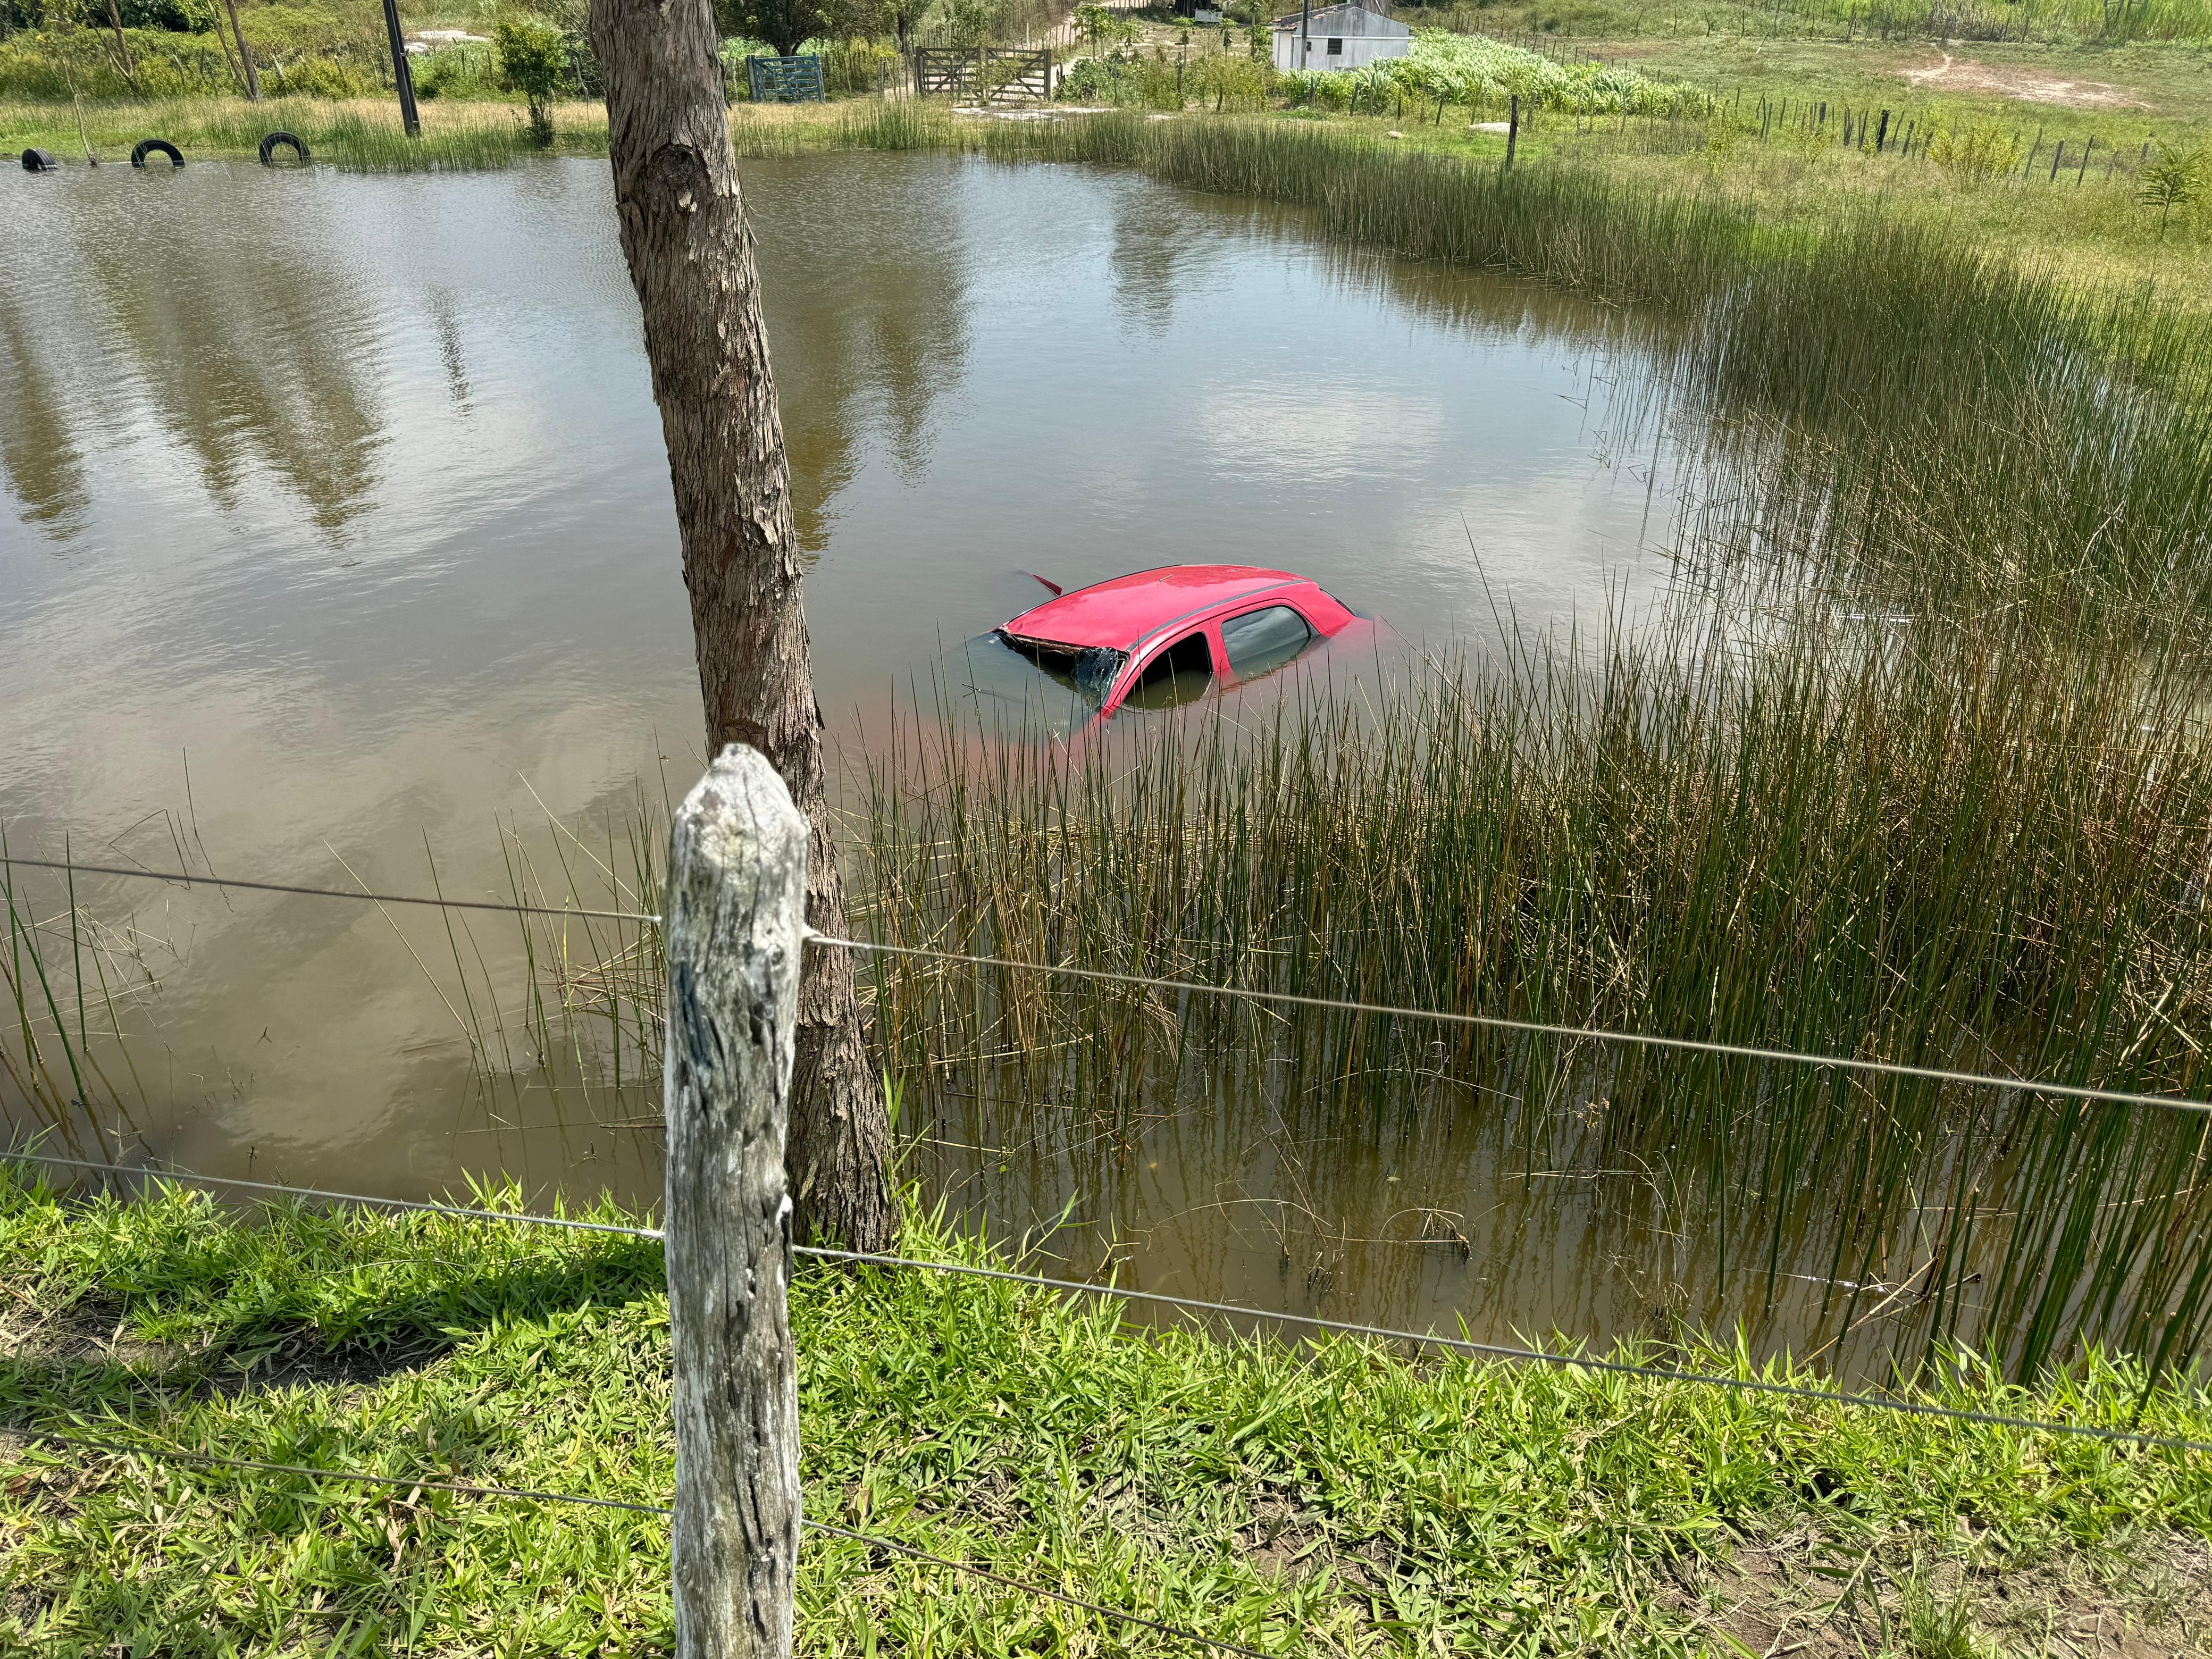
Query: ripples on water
[{"x": 338, "y": 528}]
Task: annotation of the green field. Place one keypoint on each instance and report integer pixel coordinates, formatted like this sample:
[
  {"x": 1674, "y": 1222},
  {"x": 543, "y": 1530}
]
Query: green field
[{"x": 1330, "y": 1498}]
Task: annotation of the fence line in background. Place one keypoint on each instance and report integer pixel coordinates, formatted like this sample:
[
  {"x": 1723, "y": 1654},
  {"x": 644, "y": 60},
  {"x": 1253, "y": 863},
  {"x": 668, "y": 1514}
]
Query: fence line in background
[
  {"x": 209, "y": 1460},
  {"x": 1229, "y": 1309},
  {"x": 2092, "y": 1092}
]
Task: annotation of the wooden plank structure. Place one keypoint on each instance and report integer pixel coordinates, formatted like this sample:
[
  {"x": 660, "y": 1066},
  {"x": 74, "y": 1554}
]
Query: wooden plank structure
[
  {"x": 785, "y": 80},
  {"x": 984, "y": 74}
]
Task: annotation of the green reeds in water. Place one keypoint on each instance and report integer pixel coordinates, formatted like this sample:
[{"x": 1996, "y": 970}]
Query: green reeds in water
[
  {"x": 69, "y": 984},
  {"x": 1969, "y": 848}
]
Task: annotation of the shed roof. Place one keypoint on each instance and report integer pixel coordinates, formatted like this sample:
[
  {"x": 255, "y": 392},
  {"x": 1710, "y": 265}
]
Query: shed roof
[{"x": 1346, "y": 20}]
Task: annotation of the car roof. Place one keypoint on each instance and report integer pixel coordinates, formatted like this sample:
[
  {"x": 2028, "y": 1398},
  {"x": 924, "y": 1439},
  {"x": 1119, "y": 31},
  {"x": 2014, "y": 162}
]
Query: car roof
[{"x": 1120, "y": 613}]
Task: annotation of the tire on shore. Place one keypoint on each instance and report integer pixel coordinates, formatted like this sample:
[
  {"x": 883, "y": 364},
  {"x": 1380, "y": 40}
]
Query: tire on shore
[
  {"x": 269, "y": 141},
  {"x": 146, "y": 146}
]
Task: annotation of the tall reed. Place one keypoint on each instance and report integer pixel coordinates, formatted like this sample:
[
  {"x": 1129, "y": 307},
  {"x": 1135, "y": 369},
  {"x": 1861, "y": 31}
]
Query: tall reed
[{"x": 1961, "y": 847}]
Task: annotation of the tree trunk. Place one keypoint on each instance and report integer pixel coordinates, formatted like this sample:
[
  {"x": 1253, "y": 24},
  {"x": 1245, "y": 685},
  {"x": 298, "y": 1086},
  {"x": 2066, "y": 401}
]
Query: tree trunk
[
  {"x": 123, "y": 52},
  {"x": 690, "y": 255},
  {"x": 252, "y": 78}
]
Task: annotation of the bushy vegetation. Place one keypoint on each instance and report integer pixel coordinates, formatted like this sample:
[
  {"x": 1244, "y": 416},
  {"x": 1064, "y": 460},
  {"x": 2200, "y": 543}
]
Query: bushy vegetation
[{"x": 1481, "y": 72}]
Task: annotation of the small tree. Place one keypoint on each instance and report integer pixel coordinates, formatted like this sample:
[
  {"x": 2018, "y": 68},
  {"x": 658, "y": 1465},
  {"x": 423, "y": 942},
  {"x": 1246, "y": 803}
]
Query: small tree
[
  {"x": 786, "y": 25},
  {"x": 969, "y": 22},
  {"x": 533, "y": 60},
  {"x": 2173, "y": 180}
]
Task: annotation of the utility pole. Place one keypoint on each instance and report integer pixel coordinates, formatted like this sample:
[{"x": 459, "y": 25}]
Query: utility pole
[
  {"x": 1305, "y": 27},
  {"x": 402, "y": 76}
]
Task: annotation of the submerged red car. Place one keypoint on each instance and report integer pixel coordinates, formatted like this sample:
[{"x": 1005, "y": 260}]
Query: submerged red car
[{"x": 1160, "y": 637}]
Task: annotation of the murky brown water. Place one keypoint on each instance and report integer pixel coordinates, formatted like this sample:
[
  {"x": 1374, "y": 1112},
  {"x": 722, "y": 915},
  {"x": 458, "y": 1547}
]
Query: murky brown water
[{"x": 339, "y": 534}]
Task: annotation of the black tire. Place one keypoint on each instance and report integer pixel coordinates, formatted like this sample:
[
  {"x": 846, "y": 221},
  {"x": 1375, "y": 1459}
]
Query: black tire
[
  {"x": 146, "y": 146},
  {"x": 269, "y": 141},
  {"x": 40, "y": 160}
]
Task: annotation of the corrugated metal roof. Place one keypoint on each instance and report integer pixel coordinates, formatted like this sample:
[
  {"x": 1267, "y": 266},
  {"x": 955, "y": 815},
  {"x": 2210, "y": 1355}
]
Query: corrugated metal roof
[{"x": 1352, "y": 21}]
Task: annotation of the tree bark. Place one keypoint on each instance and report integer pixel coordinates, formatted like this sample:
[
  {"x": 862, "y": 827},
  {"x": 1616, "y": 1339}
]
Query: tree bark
[
  {"x": 245, "y": 58},
  {"x": 123, "y": 51},
  {"x": 690, "y": 255}
]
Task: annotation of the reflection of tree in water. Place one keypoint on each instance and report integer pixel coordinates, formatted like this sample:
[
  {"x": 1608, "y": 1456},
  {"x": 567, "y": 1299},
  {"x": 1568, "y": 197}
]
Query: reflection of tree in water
[
  {"x": 1152, "y": 234},
  {"x": 249, "y": 355},
  {"x": 38, "y": 456},
  {"x": 868, "y": 312}
]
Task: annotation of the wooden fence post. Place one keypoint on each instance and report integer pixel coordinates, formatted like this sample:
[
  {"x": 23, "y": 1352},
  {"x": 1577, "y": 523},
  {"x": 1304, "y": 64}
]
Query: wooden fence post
[{"x": 734, "y": 921}]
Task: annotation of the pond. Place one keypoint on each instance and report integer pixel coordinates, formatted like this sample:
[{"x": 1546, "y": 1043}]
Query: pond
[{"x": 338, "y": 544}]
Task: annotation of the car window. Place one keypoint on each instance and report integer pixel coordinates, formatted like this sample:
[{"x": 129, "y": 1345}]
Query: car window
[
  {"x": 1176, "y": 675},
  {"x": 1259, "y": 641}
]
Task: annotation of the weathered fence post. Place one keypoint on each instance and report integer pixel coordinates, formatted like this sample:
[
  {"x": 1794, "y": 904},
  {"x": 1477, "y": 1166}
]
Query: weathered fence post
[{"x": 734, "y": 921}]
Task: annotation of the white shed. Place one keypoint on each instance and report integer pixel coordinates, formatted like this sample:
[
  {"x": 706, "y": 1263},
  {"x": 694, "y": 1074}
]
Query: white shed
[{"x": 1338, "y": 37}]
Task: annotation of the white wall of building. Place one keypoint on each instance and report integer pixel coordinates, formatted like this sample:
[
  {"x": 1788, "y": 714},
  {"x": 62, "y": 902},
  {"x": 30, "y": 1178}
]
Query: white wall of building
[
  {"x": 1354, "y": 51},
  {"x": 1359, "y": 36}
]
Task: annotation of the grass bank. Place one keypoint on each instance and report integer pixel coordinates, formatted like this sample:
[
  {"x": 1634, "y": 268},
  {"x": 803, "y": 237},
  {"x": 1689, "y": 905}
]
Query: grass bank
[
  {"x": 1330, "y": 1498},
  {"x": 361, "y": 135}
]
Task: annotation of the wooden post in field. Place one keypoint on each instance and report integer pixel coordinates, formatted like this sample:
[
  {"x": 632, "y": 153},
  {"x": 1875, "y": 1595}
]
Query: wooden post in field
[
  {"x": 734, "y": 923},
  {"x": 1512, "y": 128}
]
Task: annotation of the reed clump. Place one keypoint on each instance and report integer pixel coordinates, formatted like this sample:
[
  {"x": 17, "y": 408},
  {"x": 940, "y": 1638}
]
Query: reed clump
[{"x": 1965, "y": 848}]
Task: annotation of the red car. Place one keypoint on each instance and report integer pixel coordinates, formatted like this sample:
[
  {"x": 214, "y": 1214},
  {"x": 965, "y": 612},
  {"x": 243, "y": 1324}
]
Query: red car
[{"x": 1160, "y": 637}]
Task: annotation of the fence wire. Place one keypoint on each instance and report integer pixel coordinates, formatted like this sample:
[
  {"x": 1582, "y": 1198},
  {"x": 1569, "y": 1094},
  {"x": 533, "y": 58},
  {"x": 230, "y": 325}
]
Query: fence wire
[
  {"x": 2092, "y": 1093},
  {"x": 1230, "y": 1310},
  {"x": 468, "y": 1489},
  {"x": 186, "y": 878}
]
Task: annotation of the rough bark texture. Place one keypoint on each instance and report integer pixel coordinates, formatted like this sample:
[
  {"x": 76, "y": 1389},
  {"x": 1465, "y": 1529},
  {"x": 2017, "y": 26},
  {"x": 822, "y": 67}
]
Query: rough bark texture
[
  {"x": 736, "y": 895},
  {"x": 245, "y": 58},
  {"x": 691, "y": 256}
]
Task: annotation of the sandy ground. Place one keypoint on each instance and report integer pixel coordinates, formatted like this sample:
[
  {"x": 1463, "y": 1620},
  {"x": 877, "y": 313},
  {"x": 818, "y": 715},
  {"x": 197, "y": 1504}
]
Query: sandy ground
[{"x": 1954, "y": 75}]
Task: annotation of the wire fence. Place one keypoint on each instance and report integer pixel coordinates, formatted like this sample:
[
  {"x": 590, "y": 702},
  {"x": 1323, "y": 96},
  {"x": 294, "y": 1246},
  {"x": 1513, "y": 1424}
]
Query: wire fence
[
  {"x": 1196, "y": 1308},
  {"x": 2083, "y": 1091}
]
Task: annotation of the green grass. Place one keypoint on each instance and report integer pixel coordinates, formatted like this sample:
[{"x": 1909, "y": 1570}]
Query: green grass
[
  {"x": 1329, "y": 1499},
  {"x": 359, "y": 134}
]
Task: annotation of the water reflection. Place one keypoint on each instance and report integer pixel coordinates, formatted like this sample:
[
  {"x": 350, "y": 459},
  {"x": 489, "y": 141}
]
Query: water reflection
[
  {"x": 252, "y": 357},
  {"x": 381, "y": 539},
  {"x": 38, "y": 453},
  {"x": 864, "y": 356}
]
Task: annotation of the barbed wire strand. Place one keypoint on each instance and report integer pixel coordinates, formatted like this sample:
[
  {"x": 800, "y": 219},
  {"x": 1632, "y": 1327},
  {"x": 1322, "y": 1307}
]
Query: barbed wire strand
[
  {"x": 1106, "y": 976},
  {"x": 874, "y": 1541},
  {"x": 184, "y": 878},
  {"x": 1537, "y": 1028},
  {"x": 1241, "y": 1310}
]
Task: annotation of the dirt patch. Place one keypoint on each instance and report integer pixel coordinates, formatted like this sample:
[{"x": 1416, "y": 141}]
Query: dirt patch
[
  {"x": 1800, "y": 1596},
  {"x": 1953, "y": 75}
]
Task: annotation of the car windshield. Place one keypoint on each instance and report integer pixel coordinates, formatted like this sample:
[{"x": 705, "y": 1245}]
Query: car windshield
[
  {"x": 1007, "y": 691},
  {"x": 1087, "y": 669}
]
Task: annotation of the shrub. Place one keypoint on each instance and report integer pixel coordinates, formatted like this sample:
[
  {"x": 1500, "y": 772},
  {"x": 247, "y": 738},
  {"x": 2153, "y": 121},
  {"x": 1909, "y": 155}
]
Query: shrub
[
  {"x": 1976, "y": 156},
  {"x": 533, "y": 60},
  {"x": 461, "y": 70}
]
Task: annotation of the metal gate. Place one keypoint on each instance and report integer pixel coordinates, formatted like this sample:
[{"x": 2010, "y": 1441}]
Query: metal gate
[
  {"x": 984, "y": 74},
  {"x": 785, "y": 80}
]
